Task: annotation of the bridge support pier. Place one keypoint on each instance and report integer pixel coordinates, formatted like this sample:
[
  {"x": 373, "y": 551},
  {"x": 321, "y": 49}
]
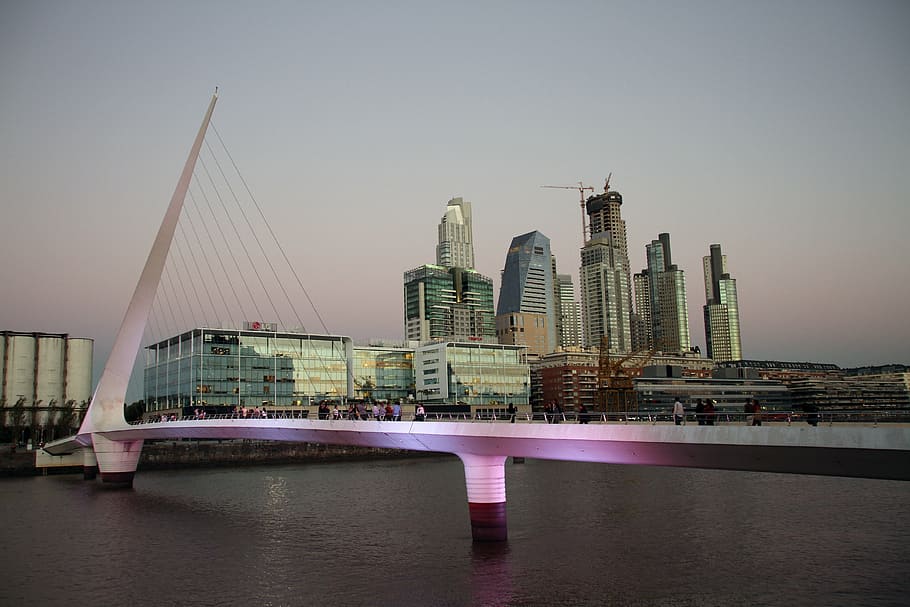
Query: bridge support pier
[
  {"x": 117, "y": 460},
  {"x": 485, "y": 477},
  {"x": 89, "y": 464}
]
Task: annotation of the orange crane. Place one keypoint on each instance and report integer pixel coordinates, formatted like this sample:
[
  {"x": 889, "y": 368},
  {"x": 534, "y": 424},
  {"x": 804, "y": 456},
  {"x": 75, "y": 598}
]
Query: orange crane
[
  {"x": 582, "y": 188},
  {"x": 614, "y": 377}
]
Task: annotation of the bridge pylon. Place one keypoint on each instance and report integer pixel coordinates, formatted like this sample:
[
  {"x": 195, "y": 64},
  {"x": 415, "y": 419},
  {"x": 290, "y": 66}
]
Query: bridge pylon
[{"x": 485, "y": 478}]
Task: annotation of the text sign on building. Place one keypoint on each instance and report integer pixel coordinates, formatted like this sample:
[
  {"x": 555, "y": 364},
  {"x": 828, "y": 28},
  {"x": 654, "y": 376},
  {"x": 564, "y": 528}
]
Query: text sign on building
[{"x": 258, "y": 325}]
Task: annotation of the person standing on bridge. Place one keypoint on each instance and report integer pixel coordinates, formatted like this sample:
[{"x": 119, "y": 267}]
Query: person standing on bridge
[
  {"x": 396, "y": 412},
  {"x": 511, "y": 411},
  {"x": 679, "y": 413},
  {"x": 756, "y": 412},
  {"x": 421, "y": 413},
  {"x": 710, "y": 412}
]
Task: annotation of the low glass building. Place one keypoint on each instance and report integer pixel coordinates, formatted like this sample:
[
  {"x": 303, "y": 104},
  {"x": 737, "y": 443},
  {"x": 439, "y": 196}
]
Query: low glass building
[
  {"x": 475, "y": 377},
  {"x": 383, "y": 373},
  {"x": 220, "y": 369}
]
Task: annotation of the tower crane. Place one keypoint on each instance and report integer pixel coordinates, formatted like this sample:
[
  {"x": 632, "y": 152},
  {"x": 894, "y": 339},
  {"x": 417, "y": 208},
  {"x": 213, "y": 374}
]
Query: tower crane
[
  {"x": 582, "y": 188},
  {"x": 614, "y": 377}
]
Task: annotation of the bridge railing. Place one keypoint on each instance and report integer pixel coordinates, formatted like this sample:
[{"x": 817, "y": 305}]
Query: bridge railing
[{"x": 720, "y": 418}]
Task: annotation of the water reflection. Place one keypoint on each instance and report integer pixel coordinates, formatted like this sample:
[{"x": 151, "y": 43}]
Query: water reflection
[{"x": 492, "y": 580}]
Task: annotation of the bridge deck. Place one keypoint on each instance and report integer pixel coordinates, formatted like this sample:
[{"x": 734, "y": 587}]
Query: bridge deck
[{"x": 861, "y": 450}]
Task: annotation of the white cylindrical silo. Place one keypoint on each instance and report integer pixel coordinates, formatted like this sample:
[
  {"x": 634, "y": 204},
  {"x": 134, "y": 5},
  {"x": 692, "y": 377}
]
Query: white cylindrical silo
[
  {"x": 51, "y": 366},
  {"x": 79, "y": 370},
  {"x": 20, "y": 369}
]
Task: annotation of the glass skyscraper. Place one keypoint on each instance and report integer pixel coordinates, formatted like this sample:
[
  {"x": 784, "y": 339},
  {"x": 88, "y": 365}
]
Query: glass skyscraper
[
  {"x": 526, "y": 314},
  {"x": 448, "y": 304},
  {"x": 660, "y": 298},
  {"x": 721, "y": 309}
]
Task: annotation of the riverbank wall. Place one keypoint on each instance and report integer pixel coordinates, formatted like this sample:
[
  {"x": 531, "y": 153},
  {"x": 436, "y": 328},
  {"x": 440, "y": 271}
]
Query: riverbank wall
[{"x": 168, "y": 455}]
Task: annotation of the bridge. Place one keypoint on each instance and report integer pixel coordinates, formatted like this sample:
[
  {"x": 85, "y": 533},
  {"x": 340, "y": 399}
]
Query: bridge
[{"x": 112, "y": 446}]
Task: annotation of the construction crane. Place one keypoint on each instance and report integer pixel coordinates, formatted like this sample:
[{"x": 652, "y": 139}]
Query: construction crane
[
  {"x": 582, "y": 188},
  {"x": 614, "y": 378}
]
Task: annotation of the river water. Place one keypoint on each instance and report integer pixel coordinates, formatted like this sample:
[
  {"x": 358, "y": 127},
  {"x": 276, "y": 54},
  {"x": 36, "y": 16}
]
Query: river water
[{"x": 396, "y": 532}]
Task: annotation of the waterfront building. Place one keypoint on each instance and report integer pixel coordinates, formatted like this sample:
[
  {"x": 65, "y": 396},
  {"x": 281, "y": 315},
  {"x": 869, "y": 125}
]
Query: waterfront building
[
  {"x": 721, "y": 309},
  {"x": 526, "y": 312},
  {"x": 448, "y": 304},
  {"x": 45, "y": 382},
  {"x": 471, "y": 378},
  {"x": 569, "y": 377},
  {"x": 660, "y": 301},
  {"x": 456, "y": 236},
  {"x": 657, "y": 394},
  {"x": 220, "y": 369},
  {"x": 827, "y": 387},
  {"x": 568, "y": 312},
  {"x": 383, "y": 372},
  {"x": 784, "y": 371}
]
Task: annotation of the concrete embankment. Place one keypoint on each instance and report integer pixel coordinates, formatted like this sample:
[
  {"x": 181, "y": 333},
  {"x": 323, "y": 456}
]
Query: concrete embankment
[
  {"x": 162, "y": 455},
  {"x": 194, "y": 454}
]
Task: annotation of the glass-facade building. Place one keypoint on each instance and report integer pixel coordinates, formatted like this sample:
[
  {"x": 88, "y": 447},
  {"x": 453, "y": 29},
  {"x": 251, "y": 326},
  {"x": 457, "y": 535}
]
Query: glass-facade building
[
  {"x": 660, "y": 301},
  {"x": 448, "y": 304},
  {"x": 721, "y": 309},
  {"x": 220, "y": 369},
  {"x": 477, "y": 376},
  {"x": 526, "y": 313},
  {"x": 383, "y": 373}
]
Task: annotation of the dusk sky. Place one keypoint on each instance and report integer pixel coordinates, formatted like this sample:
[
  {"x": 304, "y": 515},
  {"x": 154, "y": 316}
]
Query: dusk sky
[{"x": 780, "y": 130}]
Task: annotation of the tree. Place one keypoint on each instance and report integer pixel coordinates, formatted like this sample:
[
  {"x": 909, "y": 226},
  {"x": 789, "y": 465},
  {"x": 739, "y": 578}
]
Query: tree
[
  {"x": 65, "y": 423},
  {"x": 17, "y": 418},
  {"x": 133, "y": 412}
]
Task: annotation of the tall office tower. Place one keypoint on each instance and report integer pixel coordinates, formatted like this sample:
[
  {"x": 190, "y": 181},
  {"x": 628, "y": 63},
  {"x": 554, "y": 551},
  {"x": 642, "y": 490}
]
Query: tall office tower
[
  {"x": 721, "y": 309},
  {"x": 526, "y": 314},
  {"x": 569, "y": 310},
  {"x": 605, "y": 277},
  {"x": 660, "y": 297},
  {"x": 456, "y": 236},
  {"x": 454, "y": 304},
  {"x": 641, "y": 317}
]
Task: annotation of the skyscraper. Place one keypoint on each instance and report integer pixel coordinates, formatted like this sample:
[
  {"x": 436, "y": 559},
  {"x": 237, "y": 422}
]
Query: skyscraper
[
  {"x": 721, "y": 309},
  {"x": 456, "y": 236},
  {"x": 453, "y": 304},
  {"x": 526, "y": 313},
  {"x": 605, "y": 276},
  {"x": 568, "y": 311},
  {"x": 449, "y": 300},
  {"x": 660, "y": 298}
]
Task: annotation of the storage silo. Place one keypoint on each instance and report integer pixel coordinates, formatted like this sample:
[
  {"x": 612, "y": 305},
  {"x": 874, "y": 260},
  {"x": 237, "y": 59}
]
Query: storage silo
[
  {"x": 20, "y": 368},
  {"x": 80, "y": 351},
  {"x": 50, "y": 365}
]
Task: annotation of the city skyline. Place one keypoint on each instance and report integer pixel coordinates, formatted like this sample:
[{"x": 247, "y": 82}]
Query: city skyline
[{"x": 778, "y": 132}]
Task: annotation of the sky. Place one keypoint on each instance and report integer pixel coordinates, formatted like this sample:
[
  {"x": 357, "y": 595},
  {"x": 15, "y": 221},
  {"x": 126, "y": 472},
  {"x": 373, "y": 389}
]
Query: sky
[{"x": 780, "y": 130}]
